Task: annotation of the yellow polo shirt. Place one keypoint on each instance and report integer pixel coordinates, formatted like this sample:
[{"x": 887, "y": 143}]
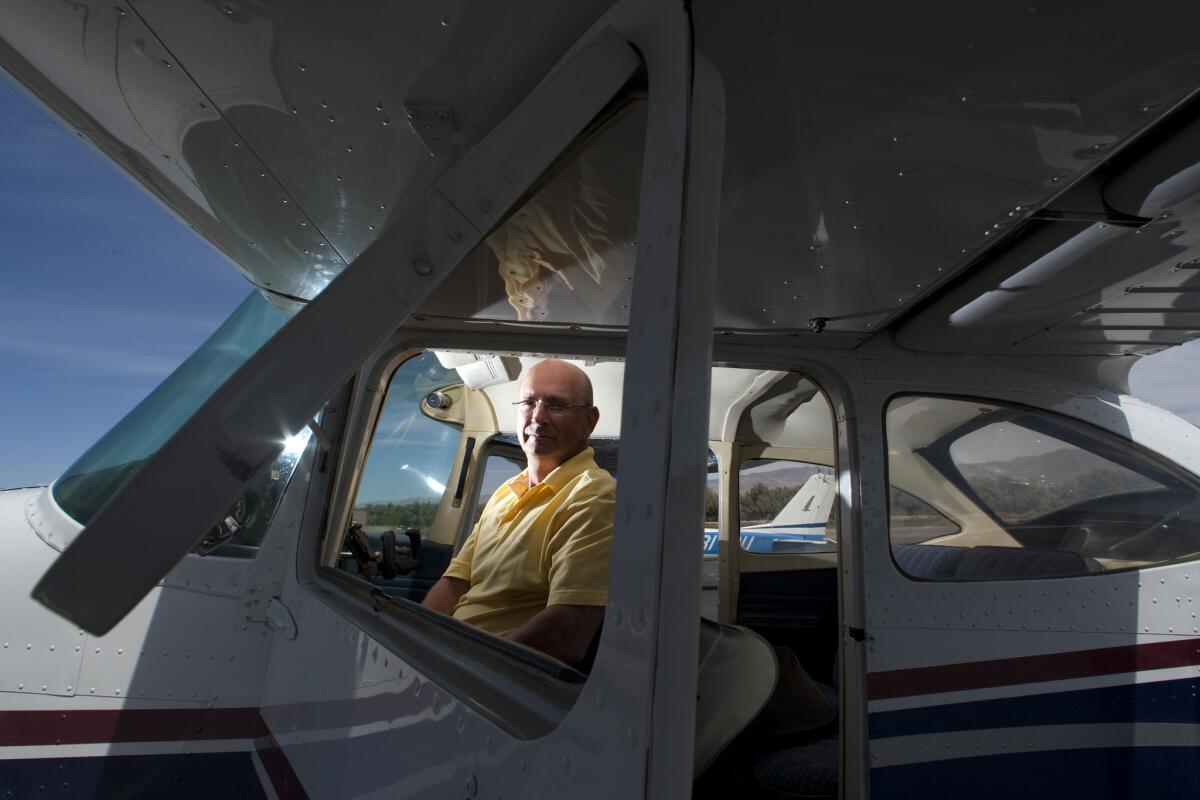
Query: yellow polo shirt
[{"x": 540, "y": 546}]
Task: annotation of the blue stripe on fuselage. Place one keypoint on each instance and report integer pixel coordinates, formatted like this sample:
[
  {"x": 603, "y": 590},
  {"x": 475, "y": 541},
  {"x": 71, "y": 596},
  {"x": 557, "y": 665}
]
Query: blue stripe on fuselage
[
  {"x": 180, "y": 776},
  {"x": 1165, "y": 701},
  {"x": 1118, "y": 773}
]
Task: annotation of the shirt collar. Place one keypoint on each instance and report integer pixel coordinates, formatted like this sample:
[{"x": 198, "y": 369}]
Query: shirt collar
[{"x": 559, "y": 477}]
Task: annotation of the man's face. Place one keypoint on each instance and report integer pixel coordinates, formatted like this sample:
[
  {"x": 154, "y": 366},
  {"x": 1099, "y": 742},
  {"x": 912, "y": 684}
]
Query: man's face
[{"x": 558, "y": 426}]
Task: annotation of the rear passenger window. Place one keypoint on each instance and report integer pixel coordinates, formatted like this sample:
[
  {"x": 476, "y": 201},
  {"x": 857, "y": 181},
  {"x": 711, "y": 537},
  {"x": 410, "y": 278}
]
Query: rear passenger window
[{"x": 1021, "y": 493}]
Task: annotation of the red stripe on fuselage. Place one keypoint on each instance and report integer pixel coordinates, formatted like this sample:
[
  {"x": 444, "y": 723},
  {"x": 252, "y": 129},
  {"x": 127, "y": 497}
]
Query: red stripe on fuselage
[
  {"x": 283, "y": 778},
  {"x": 93, "y": 726},
  {"x": 1032, "y": 669}
]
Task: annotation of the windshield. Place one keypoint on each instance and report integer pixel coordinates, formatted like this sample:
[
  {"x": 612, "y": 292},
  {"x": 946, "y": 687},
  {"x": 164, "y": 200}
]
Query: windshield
[{"x": 111, "y": 462}]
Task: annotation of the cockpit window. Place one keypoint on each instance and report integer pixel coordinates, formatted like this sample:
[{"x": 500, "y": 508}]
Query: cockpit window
[
  {"x": 111, "y": 462},
  {"x": 567, "y": 255}
]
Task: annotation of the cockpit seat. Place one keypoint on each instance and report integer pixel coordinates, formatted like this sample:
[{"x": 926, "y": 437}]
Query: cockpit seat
[
  {"x": 736, "y": 675},
  {"x": 807, "y": 767},
  {"x": 806, "y": 771}
]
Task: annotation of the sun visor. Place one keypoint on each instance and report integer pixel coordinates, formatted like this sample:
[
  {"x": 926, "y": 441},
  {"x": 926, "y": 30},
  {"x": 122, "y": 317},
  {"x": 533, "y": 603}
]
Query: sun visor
[
  {"x": 480, "y": 371},
  {"x": 489, "y": 371}
]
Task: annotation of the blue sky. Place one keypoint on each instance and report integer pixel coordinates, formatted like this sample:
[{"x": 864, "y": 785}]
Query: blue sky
[{"x": 103, "y": 293}]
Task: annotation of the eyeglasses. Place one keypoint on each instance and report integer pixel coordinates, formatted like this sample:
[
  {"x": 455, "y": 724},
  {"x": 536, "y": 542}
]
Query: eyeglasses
[{"x": 551, "y": 405}]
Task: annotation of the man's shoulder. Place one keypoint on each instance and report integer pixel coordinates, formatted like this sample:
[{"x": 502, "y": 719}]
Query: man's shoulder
[{"x": 593, "y": 481}]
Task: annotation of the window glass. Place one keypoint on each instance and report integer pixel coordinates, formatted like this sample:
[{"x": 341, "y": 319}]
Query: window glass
[
  {"x": 710, "y": 569},
  {"x": 914, "y": 520},
  {"x": 786, "y": 506},
  {"x": 411, "y": 455},
  {"x": 1031, "y": 494},
  {"x": 500, "y": 467},
  {"x": 712, "y": 507},
  {"x": 240, "y": 532},
  {"x": 567, "y": 255},
  {"x": 111, "y": 462},
  {"x": 1021, "y": 473}
]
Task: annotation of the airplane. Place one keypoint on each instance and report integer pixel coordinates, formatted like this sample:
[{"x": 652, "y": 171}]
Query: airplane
[{"x": 897, "y": 261}]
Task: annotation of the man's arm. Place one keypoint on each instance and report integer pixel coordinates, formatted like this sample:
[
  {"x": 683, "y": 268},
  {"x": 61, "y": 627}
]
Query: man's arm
[
  {"x": 444, "y": 595},
  {"x": 562, "y": 631}
]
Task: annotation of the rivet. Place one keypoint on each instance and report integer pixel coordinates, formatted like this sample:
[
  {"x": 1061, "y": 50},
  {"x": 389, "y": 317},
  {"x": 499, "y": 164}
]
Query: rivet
[
  {"x": 422, "y": 266},
  {"x": 300, "y": 66}
]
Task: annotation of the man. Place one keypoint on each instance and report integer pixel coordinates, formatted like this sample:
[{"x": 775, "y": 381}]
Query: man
[{"x": 535, "y": 569}]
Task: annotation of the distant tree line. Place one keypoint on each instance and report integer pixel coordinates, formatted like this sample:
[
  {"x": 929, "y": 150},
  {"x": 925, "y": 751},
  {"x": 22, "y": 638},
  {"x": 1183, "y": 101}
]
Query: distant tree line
[
  {"x": 904, "y": 504},
  {"x": 1012, "y": 500},
  {"x": 759, "y": 503},
  {"x": 762, "y": 503},
  {"x": 410, "y": 514}
]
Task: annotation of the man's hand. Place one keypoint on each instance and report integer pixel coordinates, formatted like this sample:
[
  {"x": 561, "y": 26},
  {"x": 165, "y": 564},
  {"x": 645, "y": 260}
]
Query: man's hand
[
  {"x": 562, "y": 631},
  {"x": 444, "y": 595}
]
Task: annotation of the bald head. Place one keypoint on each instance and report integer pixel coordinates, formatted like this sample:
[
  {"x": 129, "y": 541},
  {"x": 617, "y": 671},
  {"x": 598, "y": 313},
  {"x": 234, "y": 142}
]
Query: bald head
[
  {"x": 562, "y": 375},
  {"x": 557, "y": 417}
]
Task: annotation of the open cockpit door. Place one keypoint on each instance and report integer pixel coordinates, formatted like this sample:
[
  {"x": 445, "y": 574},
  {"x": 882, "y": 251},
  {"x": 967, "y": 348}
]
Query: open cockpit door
[
  {"x": 627, "y": 732},
  {"x": 205, "y": 466}
]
